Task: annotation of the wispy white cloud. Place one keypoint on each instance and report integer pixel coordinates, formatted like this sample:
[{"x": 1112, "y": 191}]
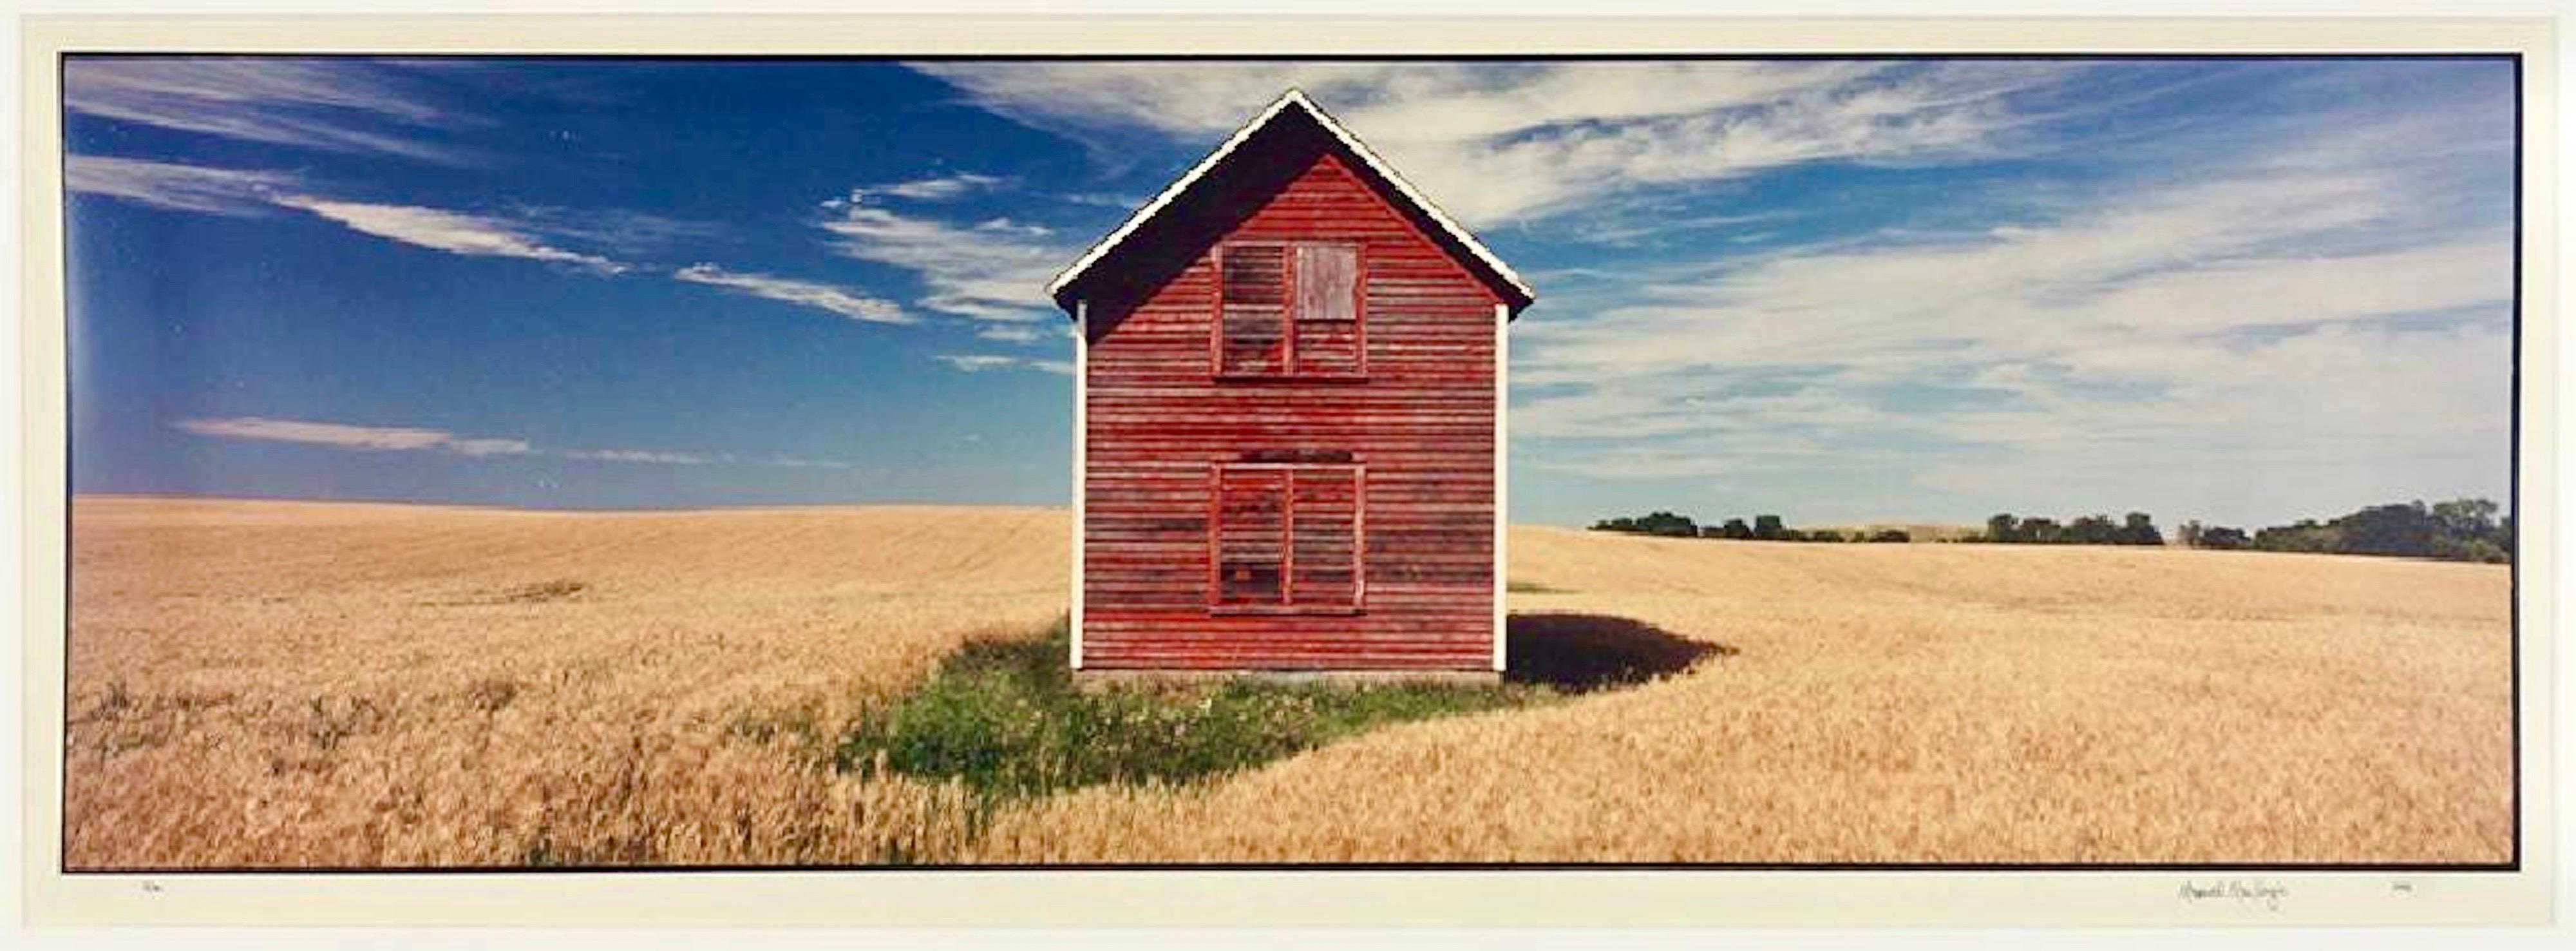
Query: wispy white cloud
[
  {"x": 422, "y": 439},
  {"x": 1015, "y": 228},
  {"x": 331, "y": 104},
  {"x": 843, "y": 301},
  {"x": 487, "y": 447},
  {"x": 980, "y": 362},
  {"x": 613, "y": 230},
  {"x": 450, "y": 231},
  {"x": 1012, "y": 333},
  {"x": 345, "y": 436},
  {"x": 526, "y": 232},
  {"x": 787, "y": 462},
  {"x": 934, "y": 188},
  {"x": 251, "y": 192},
  {"x": 1106, "y": 200},
  {"x": 641, "y": 455},
  {"x": 986, "y": 273},
  {"x": 209, "y": 190},
  {"x": 1628, "y": 227},
  {"x": 1498, "y": 142},
  {"x": 977, "y": 362}
]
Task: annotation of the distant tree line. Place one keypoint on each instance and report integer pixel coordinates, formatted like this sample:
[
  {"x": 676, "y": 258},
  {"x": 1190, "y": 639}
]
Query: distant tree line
[
  {"x": 1765, "y": 528},
  {"x": 2137, "y": 528},
  {"x": 2457, "y": 530}
]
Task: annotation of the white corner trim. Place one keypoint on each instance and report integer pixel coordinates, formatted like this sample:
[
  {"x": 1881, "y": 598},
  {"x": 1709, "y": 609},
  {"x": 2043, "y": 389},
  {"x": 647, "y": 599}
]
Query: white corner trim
[
  {"x": 1502, "y": 481},
  {"x": 1081, "y": 459},
  {"x": 1298, "y": 98}
]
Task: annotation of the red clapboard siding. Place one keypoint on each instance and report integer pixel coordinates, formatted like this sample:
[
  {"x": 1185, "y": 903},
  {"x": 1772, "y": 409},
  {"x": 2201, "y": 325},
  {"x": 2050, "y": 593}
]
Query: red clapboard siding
[{"x": 1172, "y": 394}]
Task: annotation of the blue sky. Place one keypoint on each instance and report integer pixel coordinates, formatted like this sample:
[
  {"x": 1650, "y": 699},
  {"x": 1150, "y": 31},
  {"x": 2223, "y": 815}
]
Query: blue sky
[{"x": 2241, "y": 291}]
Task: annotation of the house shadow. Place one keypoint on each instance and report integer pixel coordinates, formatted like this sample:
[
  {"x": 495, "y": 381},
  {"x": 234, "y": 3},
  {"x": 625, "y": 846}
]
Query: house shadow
[{"x": 1579, "y": 653}]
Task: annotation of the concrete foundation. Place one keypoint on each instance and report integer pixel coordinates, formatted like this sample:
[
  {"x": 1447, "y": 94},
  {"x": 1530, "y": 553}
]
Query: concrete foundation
[{"x": 1101, "y": 679}]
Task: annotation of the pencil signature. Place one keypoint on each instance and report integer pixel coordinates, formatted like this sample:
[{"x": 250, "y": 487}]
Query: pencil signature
[{"x": 2239, "y": 890}]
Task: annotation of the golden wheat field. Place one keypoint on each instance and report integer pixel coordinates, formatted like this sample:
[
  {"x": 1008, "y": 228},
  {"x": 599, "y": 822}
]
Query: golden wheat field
[{"x": 306, "y": 684}]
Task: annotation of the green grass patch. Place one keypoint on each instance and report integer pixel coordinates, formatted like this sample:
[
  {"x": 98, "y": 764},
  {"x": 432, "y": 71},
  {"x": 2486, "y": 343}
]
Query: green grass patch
[{"x": 1005, "y": 717}]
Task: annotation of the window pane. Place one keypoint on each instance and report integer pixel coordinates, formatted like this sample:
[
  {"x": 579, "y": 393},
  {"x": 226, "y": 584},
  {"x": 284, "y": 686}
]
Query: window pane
[
  {"x": 1324, "y": 515},
  {"x": 1327, "y": 312},
  {"x": 1251, "y": 523},
  {"x": 1253, "y": 316}
]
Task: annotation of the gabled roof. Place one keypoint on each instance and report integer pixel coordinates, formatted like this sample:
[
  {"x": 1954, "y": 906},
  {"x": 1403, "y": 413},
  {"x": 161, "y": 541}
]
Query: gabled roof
[{"x": 1491, "y": 269}]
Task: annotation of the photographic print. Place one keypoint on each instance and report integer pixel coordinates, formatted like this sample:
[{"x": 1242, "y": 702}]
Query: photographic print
[{"x": 1731, "y": 462}]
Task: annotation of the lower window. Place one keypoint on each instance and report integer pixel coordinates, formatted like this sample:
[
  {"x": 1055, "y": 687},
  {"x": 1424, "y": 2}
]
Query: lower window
[{"x": 1285, "y": 537}]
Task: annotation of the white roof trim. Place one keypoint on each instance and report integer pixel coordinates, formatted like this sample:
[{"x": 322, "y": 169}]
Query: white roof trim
[{"x": 1173, "y": 192}]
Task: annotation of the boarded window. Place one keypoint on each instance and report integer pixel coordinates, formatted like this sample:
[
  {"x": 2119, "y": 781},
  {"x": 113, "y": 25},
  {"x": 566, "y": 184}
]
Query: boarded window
[
  {"x": 1254, "y": 320},
  {"x": 1327, "y": 312},
  {"x": 1289, "y": 310},
  {"x": 1286, "y": 537}
]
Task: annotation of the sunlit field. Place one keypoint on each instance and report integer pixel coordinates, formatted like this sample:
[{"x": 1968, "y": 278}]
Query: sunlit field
[{"x": 297, "y": 684}]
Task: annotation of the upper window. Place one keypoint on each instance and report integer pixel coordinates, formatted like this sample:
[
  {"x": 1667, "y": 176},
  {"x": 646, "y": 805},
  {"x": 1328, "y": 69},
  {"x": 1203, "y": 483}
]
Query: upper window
[{"x": 1289, "y": 309}]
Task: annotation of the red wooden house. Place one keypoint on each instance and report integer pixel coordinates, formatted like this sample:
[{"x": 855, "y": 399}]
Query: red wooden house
[{"x": 1289, "y": 420}]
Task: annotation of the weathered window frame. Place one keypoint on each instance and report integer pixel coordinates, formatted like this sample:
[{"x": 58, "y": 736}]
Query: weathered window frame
[
  {"x": 1288, "y": 602},
  {"x": 1291, "y": 367}
]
